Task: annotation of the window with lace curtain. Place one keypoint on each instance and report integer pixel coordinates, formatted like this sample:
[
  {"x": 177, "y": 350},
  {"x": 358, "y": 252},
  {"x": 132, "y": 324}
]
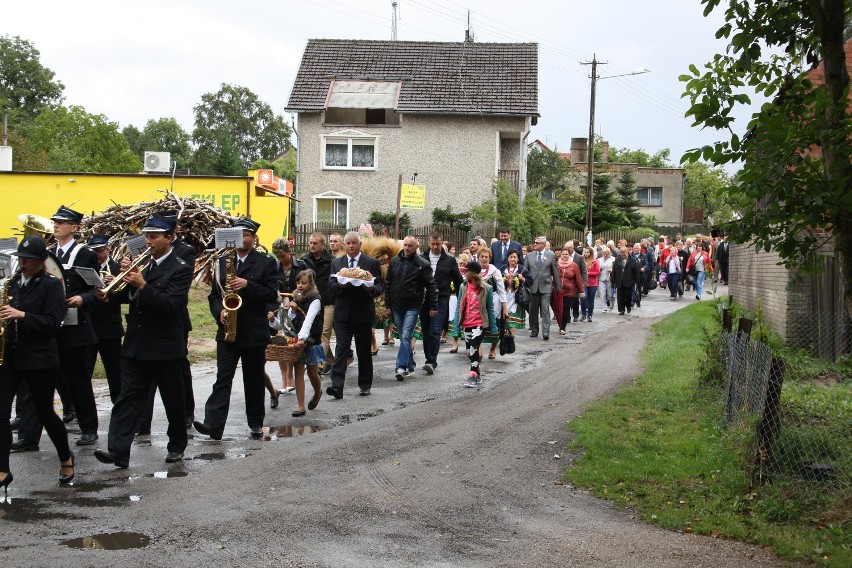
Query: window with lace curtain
[{"x": 349, "y": 153}]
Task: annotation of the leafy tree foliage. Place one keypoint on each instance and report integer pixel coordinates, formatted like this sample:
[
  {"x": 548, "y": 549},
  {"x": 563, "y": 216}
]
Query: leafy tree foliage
[
  {"x": 26, "y": 86},
  {"x": 547, "y": 172},
  {"x": 388, "y": 220},
  {"x": 641, "y": 157},
  {"x": 161, "y": 135},
  {"x": 445, "y": 216},
  {"x": 705, "y": 188},
  {"x": 524, "y": 218},
  {"x": 797, "y": 172},
  {"x": 70, "y": 139},
  {"x": 627, "y": 202},
  {"x": 233, "y": 126}
]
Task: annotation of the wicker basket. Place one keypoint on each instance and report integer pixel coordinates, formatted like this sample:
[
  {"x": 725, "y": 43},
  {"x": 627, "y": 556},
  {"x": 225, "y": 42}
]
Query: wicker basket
[{"x": 280, "y": 351}]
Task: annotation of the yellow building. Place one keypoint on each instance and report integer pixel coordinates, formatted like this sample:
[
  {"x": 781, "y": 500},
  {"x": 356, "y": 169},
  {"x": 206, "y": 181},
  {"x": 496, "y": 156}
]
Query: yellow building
[{"x": 41, "y": 193}]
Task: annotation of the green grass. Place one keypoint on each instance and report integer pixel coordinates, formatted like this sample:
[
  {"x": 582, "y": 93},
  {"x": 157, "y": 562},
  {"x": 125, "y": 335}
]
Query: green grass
[{"x": 658, "y": 446}]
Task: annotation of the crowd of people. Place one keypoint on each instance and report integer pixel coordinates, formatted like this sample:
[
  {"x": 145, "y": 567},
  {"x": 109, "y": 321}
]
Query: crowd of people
[{"x": 431, "y": 292}]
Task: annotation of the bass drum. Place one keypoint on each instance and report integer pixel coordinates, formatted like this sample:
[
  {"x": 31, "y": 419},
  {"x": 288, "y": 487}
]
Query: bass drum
[{"x": 9, "y": 265}]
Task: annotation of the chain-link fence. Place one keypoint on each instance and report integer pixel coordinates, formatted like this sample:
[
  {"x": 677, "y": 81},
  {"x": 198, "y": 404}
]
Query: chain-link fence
[{"x": 797, "y": 410}]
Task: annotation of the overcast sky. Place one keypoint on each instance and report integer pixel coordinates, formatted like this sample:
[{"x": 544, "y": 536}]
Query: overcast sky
[{"x": 135, "y": 61}]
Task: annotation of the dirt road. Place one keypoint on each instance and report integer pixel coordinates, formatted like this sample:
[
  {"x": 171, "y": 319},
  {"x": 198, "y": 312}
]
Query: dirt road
[{"x": 422, "y": 473}]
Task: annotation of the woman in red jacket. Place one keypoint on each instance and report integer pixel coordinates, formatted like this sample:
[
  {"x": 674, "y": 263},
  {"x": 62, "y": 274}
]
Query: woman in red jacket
[
  {"x": 593, "y": 270},
  {"x": 572, "y": 286}
]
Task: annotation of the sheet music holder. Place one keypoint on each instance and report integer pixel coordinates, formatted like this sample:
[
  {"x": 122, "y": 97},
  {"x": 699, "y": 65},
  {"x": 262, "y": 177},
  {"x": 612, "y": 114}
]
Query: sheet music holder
[
  {"x": 90, "y": 276},
  {"x": 231, "y": 237}
]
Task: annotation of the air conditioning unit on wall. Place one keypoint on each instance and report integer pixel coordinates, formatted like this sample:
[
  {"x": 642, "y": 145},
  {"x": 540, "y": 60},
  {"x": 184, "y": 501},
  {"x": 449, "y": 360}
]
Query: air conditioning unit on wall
[{"x": 157, "y": 162}]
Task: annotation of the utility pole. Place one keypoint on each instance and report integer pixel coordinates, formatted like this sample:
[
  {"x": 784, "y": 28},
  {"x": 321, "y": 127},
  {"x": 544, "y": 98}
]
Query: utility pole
[
  {"x": 398, "y": 199},
  {"x": 590, "y": 148}
]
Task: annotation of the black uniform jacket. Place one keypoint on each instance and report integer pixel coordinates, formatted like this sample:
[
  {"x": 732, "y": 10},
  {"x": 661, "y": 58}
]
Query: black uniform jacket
[
  {"x": 83, "y": 333},
  {"x": 410, "y": 287},
  {"x": 261, "y": 272},
  {"x": 355, "y": 303},
  {"x": 32, "y": 342},
  {"x": 187, "y": 253},
  {"x": 106, "y": 316},
  {"x": 154, "y": 322},
  {"x": 627, "y": 276}
]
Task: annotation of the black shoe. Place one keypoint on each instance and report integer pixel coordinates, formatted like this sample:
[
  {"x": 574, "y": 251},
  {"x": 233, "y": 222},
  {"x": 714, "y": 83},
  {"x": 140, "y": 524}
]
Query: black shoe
[
  {"x": 297, "y": 413},
  {"x": 67, "y": 479},
  {"x": 22, "y": 446},
  {"x": 104, "y": 456},
  {"x": 256, "y": 432},
  {"x": 174, "y": 457},
  {"x": 326, "y": 369},
  {"x": 546, "y": 337},
  {"x": 273, "y": 400},
  {"x": 311, "y": 404},
  {"x": 69, "y": 417},
  {"x": 87, "y": 440},
  {"x": 14, "y": 423},
  {"x": 533, "y": 334},
  {"x": 147, "y": 431},
  {"x": 364, "y": 392},
  {"x": 5, "y": 484},
  {"x": 334, "y": 392},
  {"x": 205, "y": 429}
]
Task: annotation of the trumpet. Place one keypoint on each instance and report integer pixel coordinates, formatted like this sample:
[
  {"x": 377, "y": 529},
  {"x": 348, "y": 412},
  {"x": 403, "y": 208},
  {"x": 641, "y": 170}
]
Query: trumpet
[{"x": 118, "y": 284}]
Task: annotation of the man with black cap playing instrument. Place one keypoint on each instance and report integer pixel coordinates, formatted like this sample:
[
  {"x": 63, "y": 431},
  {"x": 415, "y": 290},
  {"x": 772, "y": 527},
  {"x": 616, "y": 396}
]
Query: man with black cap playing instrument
[
  {"x": 153, "y": 349},
  {"x": 106, "y": 319},
  {"x": 255, "y": 280},
  {"x": 32, "y": 310},
  {"x": 77, "y": 334}
]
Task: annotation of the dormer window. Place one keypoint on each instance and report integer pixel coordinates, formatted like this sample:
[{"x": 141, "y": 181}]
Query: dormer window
[{"x": 362, "y": 103}]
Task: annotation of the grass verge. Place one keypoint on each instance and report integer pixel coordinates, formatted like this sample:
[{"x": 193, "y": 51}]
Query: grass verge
[{"x": 658, "y": 446}]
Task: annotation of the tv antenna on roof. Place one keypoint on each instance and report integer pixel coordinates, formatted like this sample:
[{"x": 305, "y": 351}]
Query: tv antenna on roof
[
  {"x": 393, "y": 23},
  {"x": 468, "y": 33}
]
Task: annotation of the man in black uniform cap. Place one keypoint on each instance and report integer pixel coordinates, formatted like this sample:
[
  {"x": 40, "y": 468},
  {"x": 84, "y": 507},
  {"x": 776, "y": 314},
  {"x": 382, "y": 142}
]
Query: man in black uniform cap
[
  {"x": 153, "y": 349},
  {"x": 106, "y": 319},
  {"x": 256, "y": 282},
  {"x": 77, "y": 333}
]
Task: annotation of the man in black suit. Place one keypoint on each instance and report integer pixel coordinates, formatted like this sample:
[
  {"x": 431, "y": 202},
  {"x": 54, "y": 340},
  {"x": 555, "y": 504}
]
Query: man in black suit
[
  {"x": 187, "y": 253},
  {"x": 106, "y": 319},
  {"x": 723, "y": 255},
  {"x": 256, "y": 283},
  {"x": 354, "y": 313},
  {"x": 153, "y": 349},
  {"x": 624, "y": 276},
  {"x": 76, "y": 336},
  {"x": 500, "y": 249}
]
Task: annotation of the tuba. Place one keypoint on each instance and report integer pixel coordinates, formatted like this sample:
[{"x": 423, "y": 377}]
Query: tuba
[
  {"x": 231, "y": 301},
  {"x": 35, "y": 225}
]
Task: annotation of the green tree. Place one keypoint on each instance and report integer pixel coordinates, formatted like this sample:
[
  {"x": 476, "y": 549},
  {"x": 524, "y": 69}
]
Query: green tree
[
  {"x": 234, "y": 120},
  {"x": 26, "y": 86},
  {"x": 641, "y": 157},
  {"x": 705, "y": 188},
  {"x": 161, "y": 135},
  {"x": 627, "y": 202},
  {"x": 605, "y": 211},
  {"x": 134, "y": 140},
  {"x": 388, "y": 220},
  {"x": 547, "y": 172},
  {"x": 445, "y": 216},
  {"x": 524, "y": 218},
  {"x": 796, "y": 170},
  {"x": 74, "y": 140}
]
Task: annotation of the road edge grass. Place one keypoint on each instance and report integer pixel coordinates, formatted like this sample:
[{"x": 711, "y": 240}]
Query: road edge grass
[{"x": 658, "y": 446}]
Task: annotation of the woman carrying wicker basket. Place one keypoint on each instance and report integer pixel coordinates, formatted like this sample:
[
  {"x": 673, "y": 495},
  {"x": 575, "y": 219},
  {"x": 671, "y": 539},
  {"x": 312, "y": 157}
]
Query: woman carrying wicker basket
[{"x": 305, "y": 313}]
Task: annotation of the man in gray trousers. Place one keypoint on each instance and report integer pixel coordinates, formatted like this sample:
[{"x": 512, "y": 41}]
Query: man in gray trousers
[{"x": 542, "y": 266}]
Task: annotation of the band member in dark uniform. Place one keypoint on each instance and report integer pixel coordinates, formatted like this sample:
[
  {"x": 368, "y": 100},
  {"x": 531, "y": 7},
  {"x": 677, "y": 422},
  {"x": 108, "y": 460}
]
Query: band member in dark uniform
[
  {"x": 154, "y": 348},
  {"x": 187, "y": 253},
  {"x": 32, "y": 313},
  {"x": 106, "y": 319},
  {"x": 256, "y": 282},
  {"x": 354, "y": 313},
  {"x": 77, "y": 334}
]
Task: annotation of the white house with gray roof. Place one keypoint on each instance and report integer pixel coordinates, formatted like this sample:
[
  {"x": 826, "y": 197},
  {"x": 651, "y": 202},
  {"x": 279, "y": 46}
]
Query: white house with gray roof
[{"x": 457, "y": 114}]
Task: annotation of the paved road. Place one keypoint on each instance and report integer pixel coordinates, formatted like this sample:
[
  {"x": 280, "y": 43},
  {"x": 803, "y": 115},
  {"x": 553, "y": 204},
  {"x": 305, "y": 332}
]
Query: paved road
[{"x": 421, "y": 473}]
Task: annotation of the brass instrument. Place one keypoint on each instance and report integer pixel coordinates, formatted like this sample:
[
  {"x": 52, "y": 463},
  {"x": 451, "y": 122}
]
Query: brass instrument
[
  {"x": 231, "y": 301},
  {"x": 118, "y": 284},
  {"x": 35, "y": 225},
  {"x": 4, "y": 333}
]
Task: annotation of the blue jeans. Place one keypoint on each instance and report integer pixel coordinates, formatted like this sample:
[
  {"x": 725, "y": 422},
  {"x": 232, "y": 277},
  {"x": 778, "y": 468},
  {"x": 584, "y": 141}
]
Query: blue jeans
[
  {"x": 432, "y": 327},
  {"x": 587, "y": 303},
  {"x": 405, "y": 320},
  {"x": 699, "y": 283},
  {"x": 671, "y": 282}
]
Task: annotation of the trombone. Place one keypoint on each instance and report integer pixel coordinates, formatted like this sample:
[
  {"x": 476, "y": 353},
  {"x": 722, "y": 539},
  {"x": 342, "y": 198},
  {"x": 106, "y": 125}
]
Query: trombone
[{"x": 118, "y": 284}]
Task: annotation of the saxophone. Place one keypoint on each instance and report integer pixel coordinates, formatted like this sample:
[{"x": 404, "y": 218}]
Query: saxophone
[
  {"x": 231, "y": 301},
  {"x": 4, "y": 332}
]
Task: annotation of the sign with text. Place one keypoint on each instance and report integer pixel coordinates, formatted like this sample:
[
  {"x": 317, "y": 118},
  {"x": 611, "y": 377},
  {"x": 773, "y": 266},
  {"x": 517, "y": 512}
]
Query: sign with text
[{"x": 413, "y": 196}]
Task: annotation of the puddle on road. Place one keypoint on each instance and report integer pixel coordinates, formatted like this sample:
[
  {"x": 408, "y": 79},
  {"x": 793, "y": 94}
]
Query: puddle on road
[
  {"x": 110, "y": 541},
  {"x": 352, "y": 418},
  {"x": 79, "y": 500},
  {"x": 26, "y": 510},
  {"x": 167, "y": 474},
  {"x": 272, "y": 433},
  {"x": 212, "y": 456}
]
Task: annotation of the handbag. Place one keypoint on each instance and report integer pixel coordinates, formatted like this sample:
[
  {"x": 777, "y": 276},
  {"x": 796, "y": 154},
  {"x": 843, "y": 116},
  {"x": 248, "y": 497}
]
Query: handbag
[
  {"x": 507, "y": 344},
  {"x": 522, "y": 295}
]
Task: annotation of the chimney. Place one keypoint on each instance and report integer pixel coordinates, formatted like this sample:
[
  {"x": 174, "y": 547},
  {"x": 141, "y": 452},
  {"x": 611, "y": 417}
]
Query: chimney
[
  {"x": 579, "y": 151},
  {"x": 604, "y": 151}
]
